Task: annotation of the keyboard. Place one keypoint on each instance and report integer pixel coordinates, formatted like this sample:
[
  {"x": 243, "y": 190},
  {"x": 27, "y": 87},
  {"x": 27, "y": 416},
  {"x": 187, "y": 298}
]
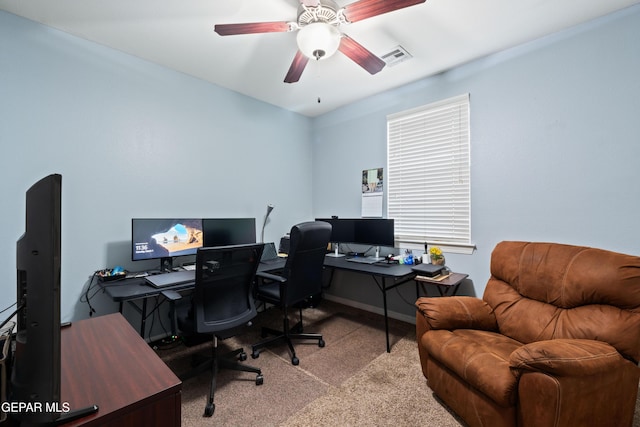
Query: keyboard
[
  {"x": 365, "y": 260},
  {"x": 171, "y": 279}
]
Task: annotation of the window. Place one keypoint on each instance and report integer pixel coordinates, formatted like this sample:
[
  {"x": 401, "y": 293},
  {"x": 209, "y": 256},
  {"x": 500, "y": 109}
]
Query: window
[{"x": 428, "y": 175}]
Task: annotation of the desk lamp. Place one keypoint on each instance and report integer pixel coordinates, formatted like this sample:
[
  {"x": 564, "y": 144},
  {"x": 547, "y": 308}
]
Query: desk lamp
[{"x": 269, "y": 209}]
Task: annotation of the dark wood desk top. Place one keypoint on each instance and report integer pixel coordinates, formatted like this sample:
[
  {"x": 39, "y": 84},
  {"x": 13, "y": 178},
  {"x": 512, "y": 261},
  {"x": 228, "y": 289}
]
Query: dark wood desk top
[{"x": 105, "y": 362}]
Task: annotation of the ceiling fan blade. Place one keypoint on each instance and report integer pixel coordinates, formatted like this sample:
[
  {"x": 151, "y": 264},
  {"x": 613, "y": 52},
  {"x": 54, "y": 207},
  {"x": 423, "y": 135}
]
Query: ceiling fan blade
[
  {"x": 361, "y": 56},
  {"x": 296, "y": 68},
  {"x": 364, "y": 9},
  {"x": 252, "y": 28}
]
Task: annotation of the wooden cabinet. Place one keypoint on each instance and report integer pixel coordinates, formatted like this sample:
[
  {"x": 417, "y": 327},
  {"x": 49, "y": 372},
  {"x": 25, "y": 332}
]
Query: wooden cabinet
[{"x": 106, "y": 363}]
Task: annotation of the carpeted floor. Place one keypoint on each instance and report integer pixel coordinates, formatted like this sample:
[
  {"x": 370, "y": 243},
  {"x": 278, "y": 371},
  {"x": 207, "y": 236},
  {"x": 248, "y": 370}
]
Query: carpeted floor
[{"x": 352, "y": 381}]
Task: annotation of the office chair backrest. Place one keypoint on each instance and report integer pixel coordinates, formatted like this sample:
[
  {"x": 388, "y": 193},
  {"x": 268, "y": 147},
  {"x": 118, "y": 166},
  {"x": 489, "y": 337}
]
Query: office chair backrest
[
  {"x": 222, "y": 298},
  {"x": 303, "y": 269}
]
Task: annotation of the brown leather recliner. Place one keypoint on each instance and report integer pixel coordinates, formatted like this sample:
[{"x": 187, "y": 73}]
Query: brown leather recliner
[{"x": 555, "y": 340}]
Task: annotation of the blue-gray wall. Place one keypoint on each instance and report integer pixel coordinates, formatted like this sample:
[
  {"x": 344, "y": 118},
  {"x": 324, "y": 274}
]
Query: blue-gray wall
[
  {"x": 133, "y": 139},
  {"x": 555, "y": 141},
  {"x": 555, "y": 147}
]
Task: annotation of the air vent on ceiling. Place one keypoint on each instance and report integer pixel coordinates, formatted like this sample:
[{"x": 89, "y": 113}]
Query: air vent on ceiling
[{"x": 396, "y": 56}]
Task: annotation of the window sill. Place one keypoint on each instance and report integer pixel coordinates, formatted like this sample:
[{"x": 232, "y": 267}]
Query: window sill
[{"x": 447, "y": 247}]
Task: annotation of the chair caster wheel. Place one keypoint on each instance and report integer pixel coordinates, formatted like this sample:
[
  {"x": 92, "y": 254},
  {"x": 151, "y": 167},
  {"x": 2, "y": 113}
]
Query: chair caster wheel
[
  {"x": 295, "y": 361},
  {"x": 255, "y": 354},
  {"x": 209, "y": 409},
  {"x": 321, "y": 343},
  {"x": 242, "y": 356},
  {"x": 259, "y": 379}
]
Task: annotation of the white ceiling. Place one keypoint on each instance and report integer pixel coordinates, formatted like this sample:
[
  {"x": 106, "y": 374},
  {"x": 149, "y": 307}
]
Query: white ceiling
[{"x": 439, "y": 34}]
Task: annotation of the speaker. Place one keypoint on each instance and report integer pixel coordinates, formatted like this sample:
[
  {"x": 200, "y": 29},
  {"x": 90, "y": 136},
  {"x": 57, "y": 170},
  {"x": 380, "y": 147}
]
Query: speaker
[{"x": 284, "y": 245}]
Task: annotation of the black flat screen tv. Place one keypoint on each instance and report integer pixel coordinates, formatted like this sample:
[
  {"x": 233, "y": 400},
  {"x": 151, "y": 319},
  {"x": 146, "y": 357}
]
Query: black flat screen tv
[
  {"x": 35, "y": 377},
  {"x": 34, "y": 394}
]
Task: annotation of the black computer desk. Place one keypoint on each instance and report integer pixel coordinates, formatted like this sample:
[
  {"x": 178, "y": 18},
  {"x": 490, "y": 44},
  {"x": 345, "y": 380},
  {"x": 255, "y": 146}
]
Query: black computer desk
[
  {"x": 135, "y": 291},
  {"x": 386, "y": 277}
]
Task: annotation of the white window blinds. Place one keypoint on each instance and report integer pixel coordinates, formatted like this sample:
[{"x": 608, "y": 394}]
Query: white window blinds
[{"x": 428, "y": 174}]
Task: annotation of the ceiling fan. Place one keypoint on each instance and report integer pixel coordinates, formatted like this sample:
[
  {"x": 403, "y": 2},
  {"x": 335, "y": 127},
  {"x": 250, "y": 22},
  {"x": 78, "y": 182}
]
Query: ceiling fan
[{"x": 319, "y": 36}]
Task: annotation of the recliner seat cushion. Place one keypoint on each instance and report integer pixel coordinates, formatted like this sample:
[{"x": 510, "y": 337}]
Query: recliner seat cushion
[{"x": 481, "y": 358}]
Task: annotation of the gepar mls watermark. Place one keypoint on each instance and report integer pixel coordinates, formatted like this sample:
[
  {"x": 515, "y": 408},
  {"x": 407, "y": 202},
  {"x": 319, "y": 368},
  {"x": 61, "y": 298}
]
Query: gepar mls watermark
[{"x": 35, "y": 407}]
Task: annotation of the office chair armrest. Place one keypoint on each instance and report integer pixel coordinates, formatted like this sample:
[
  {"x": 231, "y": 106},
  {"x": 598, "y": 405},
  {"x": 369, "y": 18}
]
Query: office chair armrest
[
  {"x": 171, "y": 295},
  {"x": 270, "y": 276}
]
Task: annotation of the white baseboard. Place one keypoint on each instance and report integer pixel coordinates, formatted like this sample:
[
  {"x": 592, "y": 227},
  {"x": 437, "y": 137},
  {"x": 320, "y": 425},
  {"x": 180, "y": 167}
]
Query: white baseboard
[{"x": 371, "y": 308}]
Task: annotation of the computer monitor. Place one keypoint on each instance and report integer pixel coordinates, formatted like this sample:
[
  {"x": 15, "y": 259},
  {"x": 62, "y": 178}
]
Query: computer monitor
[
  {"x": 375, "y": 232},
  {"x": 342, "y": 230},
  {"x": 228, "y": 231},
  {"x": 164, "y": 239}
]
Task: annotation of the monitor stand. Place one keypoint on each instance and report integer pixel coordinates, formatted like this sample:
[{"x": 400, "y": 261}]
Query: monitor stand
[
  {"x": 335, "y": 254},
  {"x": 377, "y": 257},
  {"x": 166, "y": 264}
]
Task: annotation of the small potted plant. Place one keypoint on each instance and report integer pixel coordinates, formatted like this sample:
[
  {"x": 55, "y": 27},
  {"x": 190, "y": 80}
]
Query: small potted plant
[{"x": 437, "y": 258}]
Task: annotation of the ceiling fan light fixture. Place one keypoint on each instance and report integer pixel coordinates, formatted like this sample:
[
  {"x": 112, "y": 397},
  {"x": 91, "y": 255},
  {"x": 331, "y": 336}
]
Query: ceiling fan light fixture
[{"x": 318, "y": 40}]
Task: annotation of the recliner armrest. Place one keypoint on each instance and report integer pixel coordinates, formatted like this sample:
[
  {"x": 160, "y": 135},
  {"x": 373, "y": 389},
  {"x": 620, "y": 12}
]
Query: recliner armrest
[
  {"x": 271, "y": 276},
  {"x": 565, "y": 357},
  {"x": 457, "y": 312}
]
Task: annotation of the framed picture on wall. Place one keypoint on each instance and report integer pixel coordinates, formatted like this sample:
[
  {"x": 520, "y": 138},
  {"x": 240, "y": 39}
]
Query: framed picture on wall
[{"x": 372, "y": 192}]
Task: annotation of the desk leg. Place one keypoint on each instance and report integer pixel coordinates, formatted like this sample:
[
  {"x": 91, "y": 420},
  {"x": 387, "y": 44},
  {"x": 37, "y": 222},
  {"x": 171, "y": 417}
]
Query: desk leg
[
  {"x": 142, "y": 311},
  {"x": 383, "y": 288},
  {"x": 330, "y": 278},
  {"x": 444, "y": 290},
  {"x": 143, "y": 321},
  {"x": 386, "y": 315}
]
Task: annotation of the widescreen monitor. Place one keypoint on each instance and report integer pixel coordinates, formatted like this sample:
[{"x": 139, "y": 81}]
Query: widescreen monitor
[
  {"x": 364, "y": 231},
  {"x": 164, "y": 238},
  {"x": 228, "y": 231}
]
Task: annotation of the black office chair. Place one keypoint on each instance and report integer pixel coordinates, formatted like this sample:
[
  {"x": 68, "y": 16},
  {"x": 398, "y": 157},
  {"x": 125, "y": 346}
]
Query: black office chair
[
  {"x": 300, "y": 279},
  {"x": 221, "y": 304}
]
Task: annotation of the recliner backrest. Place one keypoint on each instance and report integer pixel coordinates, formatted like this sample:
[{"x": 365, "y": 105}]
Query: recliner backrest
[
  {"x": 222, "y": 297},
  {"x": 542, "y": 291},
  {"x": 304, "y": 267}
]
